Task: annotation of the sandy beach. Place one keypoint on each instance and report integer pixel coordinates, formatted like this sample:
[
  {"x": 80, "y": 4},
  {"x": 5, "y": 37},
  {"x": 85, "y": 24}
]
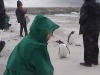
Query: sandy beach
[{"x": 65, "y": 66}]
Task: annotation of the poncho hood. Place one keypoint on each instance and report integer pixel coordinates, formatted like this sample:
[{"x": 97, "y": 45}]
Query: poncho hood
[{"x": 40, "y": 28}]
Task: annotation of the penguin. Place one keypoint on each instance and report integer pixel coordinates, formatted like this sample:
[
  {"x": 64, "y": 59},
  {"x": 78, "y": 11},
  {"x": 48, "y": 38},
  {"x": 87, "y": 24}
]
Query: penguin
[
  {"x": 70, "y": 38},
  {"x": 63, "y": 49}
]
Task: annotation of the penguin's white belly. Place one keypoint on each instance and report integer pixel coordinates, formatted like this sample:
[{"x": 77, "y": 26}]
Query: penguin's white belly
[
  {"x": 71, "y": 40},
  {"x": 63, "y": 51}
]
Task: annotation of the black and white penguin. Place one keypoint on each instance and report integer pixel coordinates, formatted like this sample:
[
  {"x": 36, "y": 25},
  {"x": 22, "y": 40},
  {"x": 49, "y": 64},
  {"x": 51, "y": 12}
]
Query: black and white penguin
[
  {"x": 71, "y": 38},
  {"x": 63, "y": 49}
]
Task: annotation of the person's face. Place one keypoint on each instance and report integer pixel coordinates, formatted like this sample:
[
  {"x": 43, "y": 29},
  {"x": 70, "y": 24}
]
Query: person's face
[{"x": 49, "y": 35}]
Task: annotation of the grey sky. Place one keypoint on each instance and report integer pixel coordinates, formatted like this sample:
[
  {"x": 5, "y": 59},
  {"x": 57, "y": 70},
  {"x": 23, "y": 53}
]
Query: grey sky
[{"x": 45, "y": 3}]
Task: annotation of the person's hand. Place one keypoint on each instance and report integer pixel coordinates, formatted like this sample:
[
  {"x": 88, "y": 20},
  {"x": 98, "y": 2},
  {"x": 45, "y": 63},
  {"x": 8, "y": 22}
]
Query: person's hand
[{"x": 25, "y": 11}]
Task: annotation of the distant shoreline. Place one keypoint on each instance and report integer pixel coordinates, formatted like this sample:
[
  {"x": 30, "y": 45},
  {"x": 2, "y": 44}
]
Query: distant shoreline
[{"x": 46, "y": 10}]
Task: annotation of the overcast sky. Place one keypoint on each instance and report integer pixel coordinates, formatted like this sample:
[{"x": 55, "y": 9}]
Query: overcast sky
[{"x": 45, "y": 3}]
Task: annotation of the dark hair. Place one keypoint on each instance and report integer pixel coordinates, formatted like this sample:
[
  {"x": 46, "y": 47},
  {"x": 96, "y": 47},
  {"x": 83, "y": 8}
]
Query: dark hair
[{"x": 18, "y": 3}]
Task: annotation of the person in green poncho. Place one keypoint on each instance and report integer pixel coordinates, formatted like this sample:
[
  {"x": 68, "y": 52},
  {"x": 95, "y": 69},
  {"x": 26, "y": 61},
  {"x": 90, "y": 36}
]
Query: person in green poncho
[{"x": 30, "y": 56}]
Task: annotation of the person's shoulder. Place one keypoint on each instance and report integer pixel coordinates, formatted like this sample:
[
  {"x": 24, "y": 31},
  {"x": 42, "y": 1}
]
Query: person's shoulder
[
  {"x": 30, "y": 42},
  {"x": 39, "y": 45},
  {"x": 35, "y": 44},
  {"x": 84, "y": 5}
]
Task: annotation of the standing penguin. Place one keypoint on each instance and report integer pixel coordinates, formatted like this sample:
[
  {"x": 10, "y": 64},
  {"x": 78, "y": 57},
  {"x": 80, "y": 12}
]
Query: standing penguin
[
  {"x": 70, "y": 38},
  {"x": 63, "y": 49}
]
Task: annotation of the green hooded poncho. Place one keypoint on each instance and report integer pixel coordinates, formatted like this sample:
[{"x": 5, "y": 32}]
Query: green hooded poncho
[{"x": 30, "y": 56}]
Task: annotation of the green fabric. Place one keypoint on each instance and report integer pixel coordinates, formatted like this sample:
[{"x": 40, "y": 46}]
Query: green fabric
[
  {"x": 40, "y": 27},
  {"x": 6, "y": 20},
  {"x": 9, "y": 72},
  {"x": 30, "y": 56}
]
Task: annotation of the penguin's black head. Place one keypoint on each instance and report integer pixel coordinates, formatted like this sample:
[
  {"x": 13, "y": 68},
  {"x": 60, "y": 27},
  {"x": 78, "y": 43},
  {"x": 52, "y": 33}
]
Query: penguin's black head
[
  {"x": 59, "y": 41},
  {"x": 72, "y": 32}
]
